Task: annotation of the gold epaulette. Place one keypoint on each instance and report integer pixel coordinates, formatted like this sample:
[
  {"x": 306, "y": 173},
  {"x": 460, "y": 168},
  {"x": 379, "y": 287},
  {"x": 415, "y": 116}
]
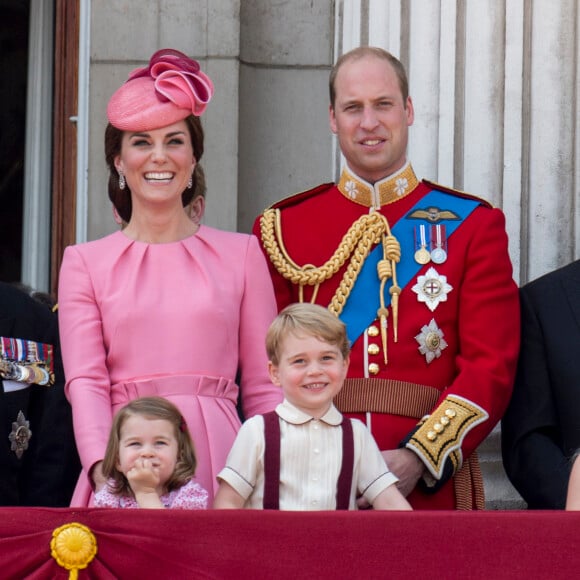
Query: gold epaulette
[
  {"x": 459, "y": 192},
  {"x": 440, "y": 436}
]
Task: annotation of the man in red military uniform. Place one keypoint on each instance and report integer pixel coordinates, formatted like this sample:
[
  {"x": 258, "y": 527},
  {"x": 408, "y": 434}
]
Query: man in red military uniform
[{"x": 421, "y": 276}]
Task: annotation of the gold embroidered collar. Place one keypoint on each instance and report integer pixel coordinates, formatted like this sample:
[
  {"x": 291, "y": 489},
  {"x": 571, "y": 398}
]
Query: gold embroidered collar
[{"x": 383, "y": 192}]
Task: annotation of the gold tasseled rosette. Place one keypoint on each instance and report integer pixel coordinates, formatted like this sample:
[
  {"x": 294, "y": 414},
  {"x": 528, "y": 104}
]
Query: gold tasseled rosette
[{"x": 74, "y": 547}]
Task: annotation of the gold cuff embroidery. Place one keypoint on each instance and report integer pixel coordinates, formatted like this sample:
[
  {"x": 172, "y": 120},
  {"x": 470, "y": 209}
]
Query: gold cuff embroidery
[{"x": 440, "y": 436}]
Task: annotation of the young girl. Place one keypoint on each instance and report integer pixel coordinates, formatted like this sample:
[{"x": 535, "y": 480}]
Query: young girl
[{"x": 150, "y": 461}]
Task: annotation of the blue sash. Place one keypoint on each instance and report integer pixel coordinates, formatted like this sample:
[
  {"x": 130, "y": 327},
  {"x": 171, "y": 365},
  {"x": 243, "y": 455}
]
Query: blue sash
[{"x": 361, "y": 307}]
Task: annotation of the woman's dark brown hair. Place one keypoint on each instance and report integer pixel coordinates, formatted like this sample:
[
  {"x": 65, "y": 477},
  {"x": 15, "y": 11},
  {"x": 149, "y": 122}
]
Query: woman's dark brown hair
[{"x": 121, "y": 198}]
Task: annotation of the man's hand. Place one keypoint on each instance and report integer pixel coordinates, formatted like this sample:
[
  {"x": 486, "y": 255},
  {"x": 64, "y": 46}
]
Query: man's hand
[{"x": 406, "y": 466}]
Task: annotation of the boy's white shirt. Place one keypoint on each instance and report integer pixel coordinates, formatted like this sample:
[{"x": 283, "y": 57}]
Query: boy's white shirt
[{"x": 310, "y": 462}]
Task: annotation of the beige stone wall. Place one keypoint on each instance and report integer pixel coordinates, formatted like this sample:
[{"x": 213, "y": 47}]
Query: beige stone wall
[
  {"x": 124, "y": 34},
  {"x": 267, "y": 132},
  {"x": 285, "y": 141}
]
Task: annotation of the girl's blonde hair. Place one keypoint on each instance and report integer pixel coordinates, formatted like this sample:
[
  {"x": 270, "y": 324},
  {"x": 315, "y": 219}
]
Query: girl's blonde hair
[
  {"x": 310, "y": 319},
  {"x": 150, "y": 408}
]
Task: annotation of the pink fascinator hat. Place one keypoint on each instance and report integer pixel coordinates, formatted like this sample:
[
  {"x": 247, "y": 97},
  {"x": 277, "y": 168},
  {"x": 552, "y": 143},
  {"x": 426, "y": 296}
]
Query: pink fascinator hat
[{"x": 170, "y": 89}]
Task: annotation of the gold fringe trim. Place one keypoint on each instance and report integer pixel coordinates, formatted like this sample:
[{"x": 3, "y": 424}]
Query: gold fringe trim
[{"x": 468, "y": 482}]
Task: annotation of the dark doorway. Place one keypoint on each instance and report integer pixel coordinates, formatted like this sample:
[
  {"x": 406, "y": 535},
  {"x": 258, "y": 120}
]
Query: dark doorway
[{"x": 13, "y": 72}]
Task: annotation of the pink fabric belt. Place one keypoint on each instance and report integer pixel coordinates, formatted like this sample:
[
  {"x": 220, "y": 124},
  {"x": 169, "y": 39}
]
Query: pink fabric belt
[{"x": 175, "y": 385}]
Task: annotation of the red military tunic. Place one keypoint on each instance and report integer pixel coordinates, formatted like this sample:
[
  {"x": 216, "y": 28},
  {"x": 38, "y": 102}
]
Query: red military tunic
[{"x": 449, "y": 376}]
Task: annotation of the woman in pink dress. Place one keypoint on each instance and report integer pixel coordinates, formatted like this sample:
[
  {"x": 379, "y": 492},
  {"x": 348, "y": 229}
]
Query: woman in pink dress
[{"x": 165, "y": 306}]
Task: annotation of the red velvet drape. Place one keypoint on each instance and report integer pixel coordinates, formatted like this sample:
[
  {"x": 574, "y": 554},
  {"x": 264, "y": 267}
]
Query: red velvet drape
[{"x": 295, "y": 545}]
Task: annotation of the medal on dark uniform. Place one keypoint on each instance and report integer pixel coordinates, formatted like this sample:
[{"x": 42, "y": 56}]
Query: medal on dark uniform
[
  {"x": 20, "y": 435},
  {"x": 439, "y": 240},
  {"x": 26, "y": 361},
  {"x": 422, "y": 255}
]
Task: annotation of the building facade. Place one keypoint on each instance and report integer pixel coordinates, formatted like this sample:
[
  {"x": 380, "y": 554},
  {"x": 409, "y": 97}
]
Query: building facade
[{"x": 495, "y": 84}]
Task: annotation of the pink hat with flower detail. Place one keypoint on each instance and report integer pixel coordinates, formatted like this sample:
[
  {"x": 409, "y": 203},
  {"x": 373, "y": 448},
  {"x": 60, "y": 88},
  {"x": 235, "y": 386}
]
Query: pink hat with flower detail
[{"x": 170, "y": 89}]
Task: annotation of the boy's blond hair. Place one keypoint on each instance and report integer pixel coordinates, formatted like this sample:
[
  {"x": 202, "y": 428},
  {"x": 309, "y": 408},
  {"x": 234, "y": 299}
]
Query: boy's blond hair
[{"x": 310, "y": 319}]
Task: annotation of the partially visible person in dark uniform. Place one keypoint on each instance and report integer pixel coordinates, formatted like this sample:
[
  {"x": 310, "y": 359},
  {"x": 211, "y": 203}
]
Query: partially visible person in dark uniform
[
  {"x": 39, "y": 464},
  {"x": 541, "y": 428},
  {"x": 421, "y": 276}
]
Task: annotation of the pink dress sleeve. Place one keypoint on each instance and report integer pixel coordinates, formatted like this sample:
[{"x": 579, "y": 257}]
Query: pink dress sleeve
[
  {"x": 83, "y": 352},
  {"x": 191, "y": 496},
  {"x": 257, "y": 311},
  {"x": 105, "y": 499}
]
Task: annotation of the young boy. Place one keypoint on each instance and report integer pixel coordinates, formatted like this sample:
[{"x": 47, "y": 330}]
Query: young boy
[{"x": 304, "y": 455}]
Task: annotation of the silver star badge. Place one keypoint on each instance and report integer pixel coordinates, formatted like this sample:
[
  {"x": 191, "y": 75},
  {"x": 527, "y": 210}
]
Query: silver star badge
[
  {"x": 431, "y": 341},
  {"x": 20, "y": 435},
  {"x": 432, "y": 288}
]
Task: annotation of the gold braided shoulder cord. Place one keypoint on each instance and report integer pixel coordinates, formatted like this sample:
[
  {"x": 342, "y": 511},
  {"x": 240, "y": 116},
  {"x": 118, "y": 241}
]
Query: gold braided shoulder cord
[{"x": 356, "y": 244}]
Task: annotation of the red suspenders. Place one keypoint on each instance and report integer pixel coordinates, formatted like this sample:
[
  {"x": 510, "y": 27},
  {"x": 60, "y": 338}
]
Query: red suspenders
[{"x": 272, "y": 463}]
